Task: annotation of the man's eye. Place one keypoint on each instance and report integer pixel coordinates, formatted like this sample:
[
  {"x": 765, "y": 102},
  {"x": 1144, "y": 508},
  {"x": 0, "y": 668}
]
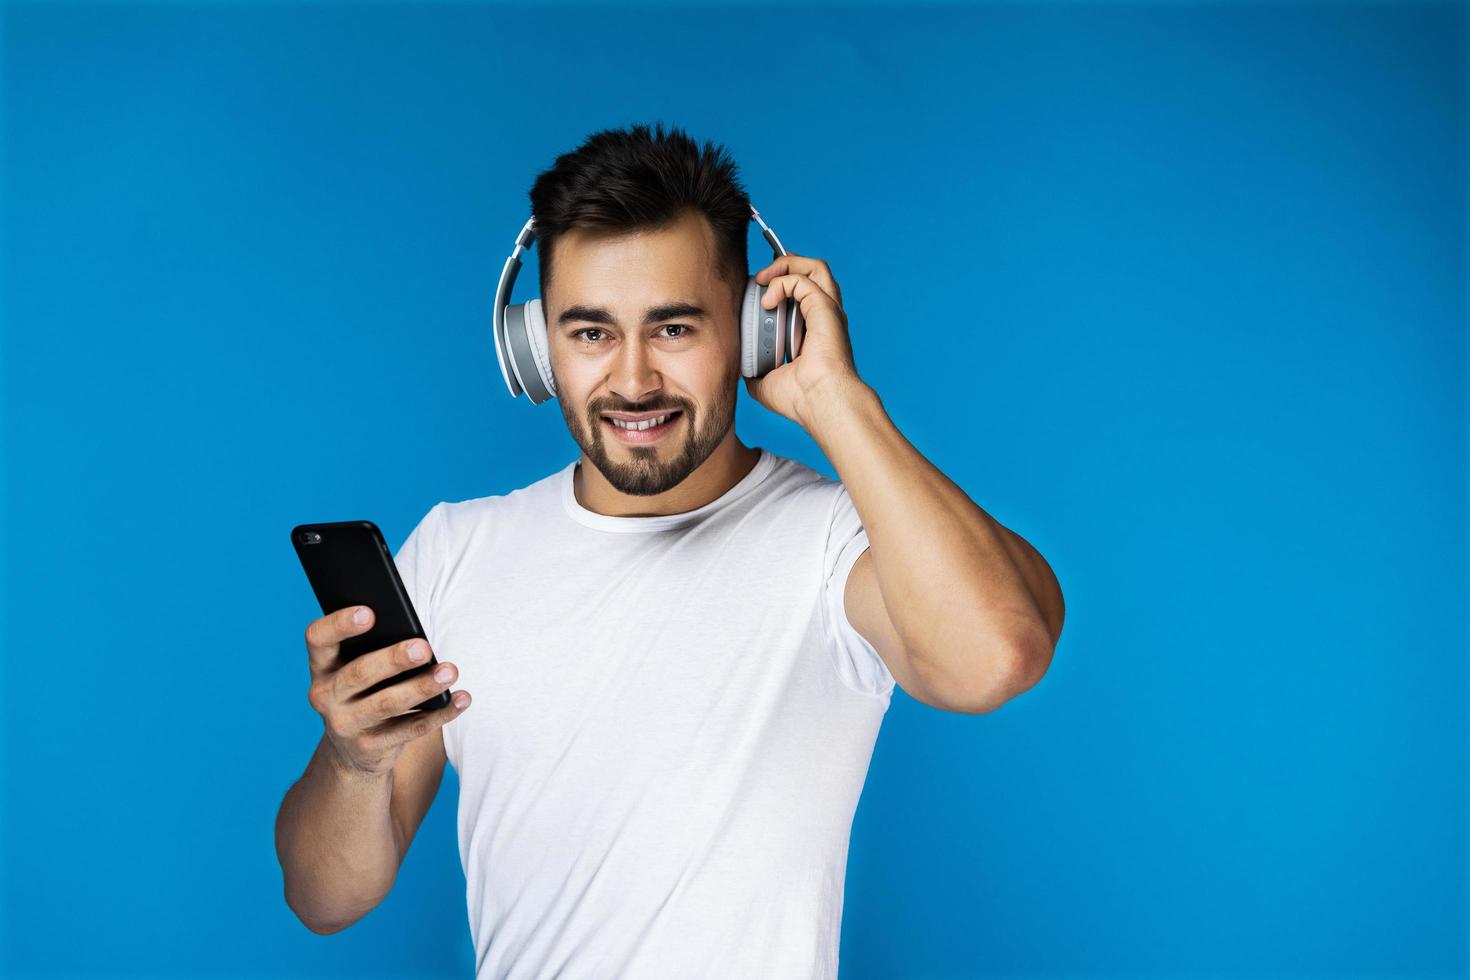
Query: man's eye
[{"x": 681, "y": 327}]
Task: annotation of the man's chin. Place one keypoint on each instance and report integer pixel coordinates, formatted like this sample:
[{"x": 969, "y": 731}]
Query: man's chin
[{"x": 634, "y": 470}]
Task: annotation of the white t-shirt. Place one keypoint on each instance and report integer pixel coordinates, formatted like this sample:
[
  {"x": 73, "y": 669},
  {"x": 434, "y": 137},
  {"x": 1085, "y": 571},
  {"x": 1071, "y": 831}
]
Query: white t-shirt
[{"x": 672, "y": 723}]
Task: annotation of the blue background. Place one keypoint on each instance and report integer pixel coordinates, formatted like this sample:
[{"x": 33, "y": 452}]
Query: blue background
[{"x": 1175, "y": 291}]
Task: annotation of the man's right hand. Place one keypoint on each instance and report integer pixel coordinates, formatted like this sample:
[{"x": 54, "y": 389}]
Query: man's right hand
[{"x": 365, "y": 733}]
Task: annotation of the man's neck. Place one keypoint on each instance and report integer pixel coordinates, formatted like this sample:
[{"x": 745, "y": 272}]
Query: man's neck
[{"x": 731, "y": 461}]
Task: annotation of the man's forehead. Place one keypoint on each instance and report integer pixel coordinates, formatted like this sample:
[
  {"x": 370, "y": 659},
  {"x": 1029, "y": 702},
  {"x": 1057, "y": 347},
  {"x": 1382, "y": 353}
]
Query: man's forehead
[
  {"x": 670, "y": 270},
  {"x": 634, "y": 275},
  {"x": 681, "y": 247},
  {"x": 635, "y": 291}
]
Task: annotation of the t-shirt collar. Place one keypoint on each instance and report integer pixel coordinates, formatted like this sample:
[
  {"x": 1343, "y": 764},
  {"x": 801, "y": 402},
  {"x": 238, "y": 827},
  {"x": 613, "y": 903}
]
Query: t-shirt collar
[{"x": 659, "y": 522}]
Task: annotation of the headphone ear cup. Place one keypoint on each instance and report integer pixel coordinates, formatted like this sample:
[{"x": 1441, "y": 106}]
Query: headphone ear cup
[
  {"x": 504, "y": 353},
  {"x": 540, "y": 350},
  {"x": 795, "y": 328},
  {"x": 523, "y": 322},
  {"x": 762, "y": 333},
  {"x": 749, "y": 324}
]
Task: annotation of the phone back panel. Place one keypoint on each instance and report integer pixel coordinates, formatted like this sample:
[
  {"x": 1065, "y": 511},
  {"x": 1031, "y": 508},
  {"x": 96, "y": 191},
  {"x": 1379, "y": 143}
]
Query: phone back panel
[{"x": 350, "y": 565}]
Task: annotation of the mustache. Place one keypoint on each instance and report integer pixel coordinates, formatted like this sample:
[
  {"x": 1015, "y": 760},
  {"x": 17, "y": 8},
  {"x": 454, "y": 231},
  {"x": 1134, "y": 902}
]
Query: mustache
[{"x": 639, "y": 409}]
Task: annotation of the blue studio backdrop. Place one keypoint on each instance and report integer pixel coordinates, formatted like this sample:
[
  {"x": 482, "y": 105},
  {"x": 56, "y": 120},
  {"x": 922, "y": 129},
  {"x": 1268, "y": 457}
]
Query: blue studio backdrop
[{"x": 1175, "y": 291}]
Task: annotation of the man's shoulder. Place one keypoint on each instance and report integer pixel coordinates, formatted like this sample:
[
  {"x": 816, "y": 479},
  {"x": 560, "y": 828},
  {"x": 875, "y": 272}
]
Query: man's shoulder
[
  {"x": 542, "y": 492},
  {"x": 789, "y": 471},
  {"x": 791, "y": 478}
]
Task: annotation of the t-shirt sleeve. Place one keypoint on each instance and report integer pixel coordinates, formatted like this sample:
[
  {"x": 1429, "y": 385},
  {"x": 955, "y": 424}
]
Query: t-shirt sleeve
[
  {"x": 417, "y": 559},
  {"x": 858, "y": 664}
]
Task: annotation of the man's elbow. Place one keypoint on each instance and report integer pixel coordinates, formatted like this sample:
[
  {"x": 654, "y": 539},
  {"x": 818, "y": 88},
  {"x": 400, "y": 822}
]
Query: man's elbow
[
  {"x": 1031, "y": 659},
  {"x": 317, "y": 924},
  {"x": 1028, "y": 658},
  {"x": 323, "y": 928}
]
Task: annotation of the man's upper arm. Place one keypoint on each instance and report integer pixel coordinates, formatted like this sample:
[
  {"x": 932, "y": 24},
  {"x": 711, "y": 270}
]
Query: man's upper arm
[
  {"x": 416, "y": 778},
  {"x": 863, "y": 601}
]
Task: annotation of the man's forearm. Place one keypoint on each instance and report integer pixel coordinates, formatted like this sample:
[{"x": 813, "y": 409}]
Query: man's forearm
[
  {"x": 954, "y": 585},
  {"x": 336, "y": 843}
]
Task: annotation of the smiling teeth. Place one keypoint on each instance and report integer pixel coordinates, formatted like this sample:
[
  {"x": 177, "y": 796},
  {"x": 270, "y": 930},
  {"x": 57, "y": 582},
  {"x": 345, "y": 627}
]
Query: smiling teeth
[{"x": 646, "y": 424}]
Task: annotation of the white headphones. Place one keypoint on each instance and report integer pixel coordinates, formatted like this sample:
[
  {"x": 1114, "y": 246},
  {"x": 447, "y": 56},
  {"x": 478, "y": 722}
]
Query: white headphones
[{"x": 767, "y": 337}]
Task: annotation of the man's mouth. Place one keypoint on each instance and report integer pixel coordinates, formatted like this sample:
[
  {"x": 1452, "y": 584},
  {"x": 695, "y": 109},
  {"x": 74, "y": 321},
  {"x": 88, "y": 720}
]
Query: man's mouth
[{"x": 647, "y": 429}]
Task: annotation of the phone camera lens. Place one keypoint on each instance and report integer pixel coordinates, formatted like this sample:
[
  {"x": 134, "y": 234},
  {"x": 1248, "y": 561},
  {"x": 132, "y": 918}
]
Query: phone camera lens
[{"x": 310, "y": 537}]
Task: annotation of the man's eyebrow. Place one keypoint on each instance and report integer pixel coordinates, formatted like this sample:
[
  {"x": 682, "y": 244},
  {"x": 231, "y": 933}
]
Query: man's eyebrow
[{"x": 654, "y": 314}]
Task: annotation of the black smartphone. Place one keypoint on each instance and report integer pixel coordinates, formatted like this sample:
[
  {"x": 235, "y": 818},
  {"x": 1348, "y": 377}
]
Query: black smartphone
[{"x": 348, "y": 564}]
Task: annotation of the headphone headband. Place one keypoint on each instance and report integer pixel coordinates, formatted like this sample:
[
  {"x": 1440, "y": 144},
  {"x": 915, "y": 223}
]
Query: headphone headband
[{"x": 502, "y": 296}]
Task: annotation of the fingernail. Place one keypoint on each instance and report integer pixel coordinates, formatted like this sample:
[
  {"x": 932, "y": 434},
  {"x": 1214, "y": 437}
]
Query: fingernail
[
  {"x": 443, "y": 673},
  {"x": 416, "y": 651},
  {"x": 461, "y": 699},
  {"x": 361, "y": 616}
]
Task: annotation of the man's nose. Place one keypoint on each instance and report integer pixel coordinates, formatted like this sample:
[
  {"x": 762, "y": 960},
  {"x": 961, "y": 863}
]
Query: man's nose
[{"x": 635, "y": 375}]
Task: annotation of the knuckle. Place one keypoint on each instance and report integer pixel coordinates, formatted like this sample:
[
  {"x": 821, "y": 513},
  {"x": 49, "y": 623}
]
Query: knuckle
[
  {"x": 394, "y": 701},
  {"x": 316, "y": 697},
  {"x": 419, "y": 728},
  {"x": 337, "y": 727},
  {"x": 359, "y": 672}
]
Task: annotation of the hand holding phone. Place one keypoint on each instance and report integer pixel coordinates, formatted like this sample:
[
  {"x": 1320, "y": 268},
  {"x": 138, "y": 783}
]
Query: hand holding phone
[
  {"x": 364, "y": 675},
  {"x": 364, "y": 729}
]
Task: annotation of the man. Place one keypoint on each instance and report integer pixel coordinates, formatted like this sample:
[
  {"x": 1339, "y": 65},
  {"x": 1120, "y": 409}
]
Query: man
[{"x": 681, "y": 647}]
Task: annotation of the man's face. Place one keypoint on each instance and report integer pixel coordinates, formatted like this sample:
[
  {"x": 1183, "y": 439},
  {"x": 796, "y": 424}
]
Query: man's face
[{"x": 641, "y": 322}]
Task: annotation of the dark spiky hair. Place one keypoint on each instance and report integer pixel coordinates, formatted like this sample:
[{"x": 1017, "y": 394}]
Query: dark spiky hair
[{"x": 637, "y": 178}]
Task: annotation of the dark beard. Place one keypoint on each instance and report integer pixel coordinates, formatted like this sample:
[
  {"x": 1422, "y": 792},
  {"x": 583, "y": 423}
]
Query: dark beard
[{"x": 645, "y": 474}]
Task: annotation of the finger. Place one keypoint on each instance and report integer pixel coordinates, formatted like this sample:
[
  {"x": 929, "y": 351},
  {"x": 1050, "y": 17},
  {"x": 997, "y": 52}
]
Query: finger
[
  {"x": 325, "y": 634},
  {"x": 817, "y": 270},
  {"x": 363, "y": 672},
  {"x": 801, "y": 288},
  {"x": 395, "y": 699},
  {"x": 420, "y": 723}
]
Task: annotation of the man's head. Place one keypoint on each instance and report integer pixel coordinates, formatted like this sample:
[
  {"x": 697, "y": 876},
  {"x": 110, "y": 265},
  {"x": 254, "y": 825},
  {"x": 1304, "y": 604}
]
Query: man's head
[{"x": 641, "y": 240}]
